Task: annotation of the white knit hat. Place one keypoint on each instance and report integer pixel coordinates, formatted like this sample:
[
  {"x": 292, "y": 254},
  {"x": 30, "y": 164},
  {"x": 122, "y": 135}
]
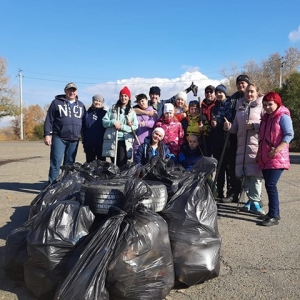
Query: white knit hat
[
  {"x": 160, "y": 130},
  {"x": 182, "y": 95},
  {"x": 168, "y": 107}
]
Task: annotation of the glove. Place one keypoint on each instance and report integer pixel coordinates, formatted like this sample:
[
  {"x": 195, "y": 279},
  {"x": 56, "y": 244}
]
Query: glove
[
  {"x": 181, "y": 157},
  {"x": 172, "y": 156}
]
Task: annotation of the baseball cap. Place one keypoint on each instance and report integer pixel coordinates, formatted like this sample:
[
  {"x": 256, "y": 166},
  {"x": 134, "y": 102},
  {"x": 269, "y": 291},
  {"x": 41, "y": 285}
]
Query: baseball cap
[{"x": 71, "y": 85}]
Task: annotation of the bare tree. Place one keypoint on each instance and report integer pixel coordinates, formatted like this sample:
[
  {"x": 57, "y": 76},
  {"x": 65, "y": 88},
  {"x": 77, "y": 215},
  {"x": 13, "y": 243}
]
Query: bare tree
[{"x": 8, "y": 102}]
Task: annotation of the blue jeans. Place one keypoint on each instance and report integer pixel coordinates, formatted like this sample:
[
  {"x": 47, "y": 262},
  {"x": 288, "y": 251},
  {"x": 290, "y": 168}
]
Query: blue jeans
[
  {"x": 61, "y": 150},
  {"x": 271, "y": 178}
]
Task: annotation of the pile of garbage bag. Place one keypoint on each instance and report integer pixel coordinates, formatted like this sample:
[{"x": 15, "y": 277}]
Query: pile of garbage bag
[{"x": 100, "y": 232}]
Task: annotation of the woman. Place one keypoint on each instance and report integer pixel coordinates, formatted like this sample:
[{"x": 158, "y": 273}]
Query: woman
[
  {"x": 275, "y": 133},
  {"x": 145, "y": 121},
  {"x": 153, "y": 146},
  {"x": 124, "y": 124},
  {"x": 174, "y": 133},
  {"x": 93, "y": 130},
  {"x": 249, "y": 111}
]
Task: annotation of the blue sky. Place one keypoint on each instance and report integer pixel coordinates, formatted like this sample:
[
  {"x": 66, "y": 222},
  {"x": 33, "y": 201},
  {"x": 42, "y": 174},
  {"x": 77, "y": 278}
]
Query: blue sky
[{"x": 104, "y": 45}]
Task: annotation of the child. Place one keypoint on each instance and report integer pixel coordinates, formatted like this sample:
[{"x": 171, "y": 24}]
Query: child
[
  {"x": 192, "y": 122},
  {"x": 190, "y": 153},
  {"x": 153, "y": 146},
  {"x": 174, "y": 134},
  {"x": 180, "y": 106}
]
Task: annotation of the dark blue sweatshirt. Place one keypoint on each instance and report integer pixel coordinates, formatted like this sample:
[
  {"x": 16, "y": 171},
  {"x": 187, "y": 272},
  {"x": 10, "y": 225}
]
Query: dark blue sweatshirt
[
  {"x": 64, "y": 119},
  {"x": 92, "y": 127}
]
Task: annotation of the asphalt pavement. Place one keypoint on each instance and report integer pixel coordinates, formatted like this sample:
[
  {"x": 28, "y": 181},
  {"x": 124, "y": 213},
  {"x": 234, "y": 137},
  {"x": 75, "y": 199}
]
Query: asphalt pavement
[{"x": 256, "y": 262}]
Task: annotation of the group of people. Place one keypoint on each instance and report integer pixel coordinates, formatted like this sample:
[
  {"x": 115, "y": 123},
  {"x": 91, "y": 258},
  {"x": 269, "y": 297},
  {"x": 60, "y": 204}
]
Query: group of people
[{"x": 247, "y": 132}]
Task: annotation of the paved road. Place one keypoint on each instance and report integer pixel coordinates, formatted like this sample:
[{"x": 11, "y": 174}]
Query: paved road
[{"x": 256, "y": 262}]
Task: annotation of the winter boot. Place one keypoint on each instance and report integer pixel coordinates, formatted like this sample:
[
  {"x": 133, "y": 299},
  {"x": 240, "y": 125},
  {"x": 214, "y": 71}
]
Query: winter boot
[
  {"x": 256, "y": 209},
  {"x": 247, "y": 206}
]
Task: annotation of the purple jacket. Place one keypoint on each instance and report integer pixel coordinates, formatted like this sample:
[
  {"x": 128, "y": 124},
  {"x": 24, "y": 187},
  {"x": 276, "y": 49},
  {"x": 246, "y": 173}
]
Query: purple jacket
[
  {"x": 143, "y": 132},
  {"x": 270, "y": 135}
]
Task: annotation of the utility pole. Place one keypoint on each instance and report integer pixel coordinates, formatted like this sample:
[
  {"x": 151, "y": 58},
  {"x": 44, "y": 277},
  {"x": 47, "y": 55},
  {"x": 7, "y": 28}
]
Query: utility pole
[
  {"x": 21, "y": 105},
  {"x": 280, "y": 76}
]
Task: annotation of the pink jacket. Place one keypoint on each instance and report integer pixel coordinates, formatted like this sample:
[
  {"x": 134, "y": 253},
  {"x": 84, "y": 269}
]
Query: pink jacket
[
  {"x": 247, "y": 139},
  {"x": 174, "y": 133},
  {"x": 270, "y": 135}
]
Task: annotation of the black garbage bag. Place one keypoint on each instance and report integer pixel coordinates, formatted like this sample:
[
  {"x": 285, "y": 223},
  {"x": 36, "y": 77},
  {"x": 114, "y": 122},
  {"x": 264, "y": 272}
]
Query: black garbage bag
[
  {"x": 142, "y": 264},
  {"x": 98, "y": 169},
  {"x": 86, "y": 279},
  {"x": 164, "y": 171},
  {"x": 16, "y": 251},
  {"x": 134, "y": 245},
  {"x": 67, "y": 187},
  {"x": 51, "y": 240},
  {"x": 195, "y": 240}
]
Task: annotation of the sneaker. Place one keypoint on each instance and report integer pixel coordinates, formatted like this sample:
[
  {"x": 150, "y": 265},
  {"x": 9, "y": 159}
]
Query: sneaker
[
  {"x": 227, "y": 199},
  {"x": 246, "y": 208},
  {"x": 269, "y": 221},
  {"x": 256, "y": 209}
]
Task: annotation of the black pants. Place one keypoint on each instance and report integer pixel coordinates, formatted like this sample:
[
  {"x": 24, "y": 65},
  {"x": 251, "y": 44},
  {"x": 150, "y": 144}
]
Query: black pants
[
  {"x": 93, "y": 152},
  {"x": 235, "y": 183},
  {"x": 222, "y": 166},
  {"x": 121, "y": 154}
]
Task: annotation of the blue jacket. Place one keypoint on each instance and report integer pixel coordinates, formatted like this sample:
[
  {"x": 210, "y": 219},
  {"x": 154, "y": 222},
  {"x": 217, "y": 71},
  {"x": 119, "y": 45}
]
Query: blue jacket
[
  {"x": 92, "y": 127},
  {"x": 64, "y": 119},
  {"x": 221, "y": 110},
  {"x": 187, "y": 157},
  {"x": 142, "y": 157}
]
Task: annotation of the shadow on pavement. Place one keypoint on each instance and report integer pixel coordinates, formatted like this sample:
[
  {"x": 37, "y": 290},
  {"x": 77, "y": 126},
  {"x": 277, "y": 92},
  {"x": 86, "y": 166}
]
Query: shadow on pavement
[
  {"x": 32, "y": 188},
  {"x": 19, "y": 216},
  {"x": 230, "y": 212}
]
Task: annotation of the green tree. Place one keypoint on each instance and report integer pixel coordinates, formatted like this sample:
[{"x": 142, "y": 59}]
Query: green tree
[
  {"x": 38, "y": 131},
  {"x": 8, "y": 102},
  {"x": 290, "y": 92}
]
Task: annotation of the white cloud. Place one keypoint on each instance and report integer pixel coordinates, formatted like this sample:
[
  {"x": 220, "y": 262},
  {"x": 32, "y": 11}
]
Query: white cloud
[
  {"x": 169, "y": 87},
  {"x": 295, "y": 35},
  {"x": 5, "y": 122}
]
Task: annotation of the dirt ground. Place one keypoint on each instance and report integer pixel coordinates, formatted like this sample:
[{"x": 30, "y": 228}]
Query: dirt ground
[{"x": 256, "y": 262}]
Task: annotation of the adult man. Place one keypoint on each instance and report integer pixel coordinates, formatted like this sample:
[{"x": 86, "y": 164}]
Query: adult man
[
  {"x": 62, "y": 129},
  {"x": 242, "y": 82}
]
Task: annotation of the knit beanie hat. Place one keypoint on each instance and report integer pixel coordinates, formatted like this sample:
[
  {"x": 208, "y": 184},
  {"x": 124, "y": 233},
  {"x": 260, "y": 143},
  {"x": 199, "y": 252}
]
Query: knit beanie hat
[
  {"x": 160, "y": 130},
  {"x": 98, "y": 97},
  {"x": 243, "y": 78},
  {"x": 125, "y": 91},
  {"x": 155, "y": 90},
  {"x": 168, "y": 107},
  {"x": 272, "y": 96},
  {"x": 221, "y": 88},
  {"x": 182, "y": 95}
]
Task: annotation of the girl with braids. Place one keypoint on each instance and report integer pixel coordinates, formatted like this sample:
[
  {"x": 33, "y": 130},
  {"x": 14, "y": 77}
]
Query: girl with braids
[
  {"x": 123, "y": 126},
  {"x": 153, "y": 146}
]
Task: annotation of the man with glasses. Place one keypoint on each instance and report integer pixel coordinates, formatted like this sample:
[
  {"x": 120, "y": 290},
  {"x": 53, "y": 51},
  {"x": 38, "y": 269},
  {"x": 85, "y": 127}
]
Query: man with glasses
[{"x": 62, "y": 129}]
